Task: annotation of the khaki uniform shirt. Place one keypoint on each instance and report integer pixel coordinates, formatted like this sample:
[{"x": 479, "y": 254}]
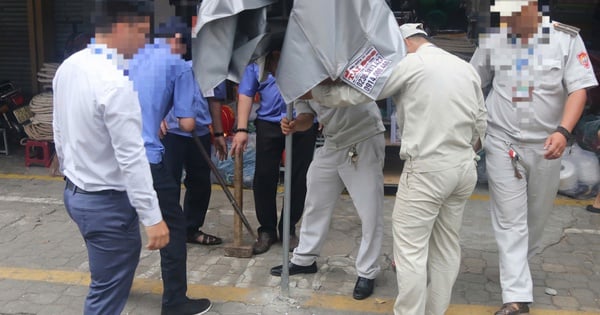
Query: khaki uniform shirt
[
  {"x": 440, "y": 108},
  {"x": 343, "y": 127},
  {"x": 530, "y": 82}
]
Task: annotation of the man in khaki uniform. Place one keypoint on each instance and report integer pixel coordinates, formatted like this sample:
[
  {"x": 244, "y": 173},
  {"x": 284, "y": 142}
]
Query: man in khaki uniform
[
  {"x": 539, "y": 72},
  {"x": 442, "y": 117},
  {"x": 351, "y": 158}
]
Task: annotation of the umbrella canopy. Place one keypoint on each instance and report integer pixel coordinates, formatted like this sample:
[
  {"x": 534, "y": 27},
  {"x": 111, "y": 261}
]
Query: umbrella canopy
[
  {"x": 357, "y": 41},
  {"x": 225, "y": 38}
]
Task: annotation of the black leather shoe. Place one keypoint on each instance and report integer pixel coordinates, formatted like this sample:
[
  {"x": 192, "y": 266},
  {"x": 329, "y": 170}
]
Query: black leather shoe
[
  {"x": 189, "y": 307},
  {"x": 263, "y": 243},
  {"x": 363, "y": 288},
  {"x": 294, "y": 269}
]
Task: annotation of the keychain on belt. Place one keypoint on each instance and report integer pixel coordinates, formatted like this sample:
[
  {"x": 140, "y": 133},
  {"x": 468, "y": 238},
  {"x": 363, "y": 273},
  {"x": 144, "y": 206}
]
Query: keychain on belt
[
  {"x": 514, "y": 159},
  {"x": 353, "y": 155}
]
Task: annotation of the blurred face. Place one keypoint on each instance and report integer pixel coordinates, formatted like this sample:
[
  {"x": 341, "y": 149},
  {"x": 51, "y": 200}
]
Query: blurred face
[
  {"x": 130, "y": 34},
  {"x": 178, "y": 47}
]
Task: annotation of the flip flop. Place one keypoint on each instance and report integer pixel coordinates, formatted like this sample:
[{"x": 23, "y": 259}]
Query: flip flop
[
  {"x": 202, "y": 238},
  {"x": 593, "y": 209}
]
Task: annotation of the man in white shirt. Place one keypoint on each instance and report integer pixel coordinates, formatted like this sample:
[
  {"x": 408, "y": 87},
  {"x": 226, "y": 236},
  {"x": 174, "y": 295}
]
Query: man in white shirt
[
  {"x": 97, "y": 132},
  {"x": 442, "y": 117}
]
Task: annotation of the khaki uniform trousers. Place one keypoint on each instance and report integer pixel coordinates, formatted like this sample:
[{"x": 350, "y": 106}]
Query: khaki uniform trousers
[
  {"x": 328, "y": 174},
  {"x": 426, "y": 221},
  {"x": 519, "y": 210}
]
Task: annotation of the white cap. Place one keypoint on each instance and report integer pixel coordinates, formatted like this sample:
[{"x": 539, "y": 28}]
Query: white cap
[
  {"x": 508, "y": 7},
  {"x": 410, "y": 29}
]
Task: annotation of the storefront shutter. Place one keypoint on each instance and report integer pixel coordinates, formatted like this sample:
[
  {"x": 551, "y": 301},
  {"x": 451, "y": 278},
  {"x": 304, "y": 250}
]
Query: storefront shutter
[{"x": 15, "y": 61}]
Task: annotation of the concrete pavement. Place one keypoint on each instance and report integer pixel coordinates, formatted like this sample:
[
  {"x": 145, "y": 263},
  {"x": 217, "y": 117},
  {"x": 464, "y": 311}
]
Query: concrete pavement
[{"x": 43, "y": 262}]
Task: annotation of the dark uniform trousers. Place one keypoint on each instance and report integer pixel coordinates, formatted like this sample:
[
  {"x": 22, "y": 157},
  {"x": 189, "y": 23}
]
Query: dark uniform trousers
[
  {"x": 270, "y": 144},
  {"x": 182, "y": 152},
  {"x": 173, "y": 256}
]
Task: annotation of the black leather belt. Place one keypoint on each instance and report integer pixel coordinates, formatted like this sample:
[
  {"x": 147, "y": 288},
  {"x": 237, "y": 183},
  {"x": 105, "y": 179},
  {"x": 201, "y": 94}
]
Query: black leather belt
[{"x": 75, "y": 189}]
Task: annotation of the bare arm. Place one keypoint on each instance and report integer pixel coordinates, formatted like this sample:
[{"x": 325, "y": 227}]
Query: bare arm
[
  {"x": 556, "y": 142},
  {"x": 217, "y": 126},
  {"x": 240, "y": 140}
]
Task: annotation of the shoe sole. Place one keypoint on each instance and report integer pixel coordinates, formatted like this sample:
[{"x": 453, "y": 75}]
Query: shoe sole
[{"x": 206, "y": 310}]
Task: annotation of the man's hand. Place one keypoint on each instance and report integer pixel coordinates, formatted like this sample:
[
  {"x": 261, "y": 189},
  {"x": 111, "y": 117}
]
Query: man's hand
[
  {"x": 288, "y": 127},
  {"x": 555, "y": 146},
  {"x": 239, "y": 143},
  {"x": 162, "y": 132},
  {"x": 158, "y": 235},
  {"x": 221, "y": 147}
]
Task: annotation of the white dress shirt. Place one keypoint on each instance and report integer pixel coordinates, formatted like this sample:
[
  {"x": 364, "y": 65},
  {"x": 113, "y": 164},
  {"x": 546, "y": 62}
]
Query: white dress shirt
[{"x": 98, "y": 129}]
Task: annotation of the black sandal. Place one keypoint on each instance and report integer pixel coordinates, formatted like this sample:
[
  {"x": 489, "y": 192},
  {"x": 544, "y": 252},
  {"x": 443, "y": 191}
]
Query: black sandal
[{"x": 202, "y": 238}]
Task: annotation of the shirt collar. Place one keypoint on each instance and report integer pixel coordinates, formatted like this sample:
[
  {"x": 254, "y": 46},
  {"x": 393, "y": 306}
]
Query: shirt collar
[{"x": 111, "y": 54}]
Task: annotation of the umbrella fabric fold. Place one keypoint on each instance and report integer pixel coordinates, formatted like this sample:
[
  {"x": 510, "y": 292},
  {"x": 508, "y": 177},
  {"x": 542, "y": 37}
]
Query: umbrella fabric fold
[
  {"x": 357, "y": 41},
  {"x": 225, "y": 38}
]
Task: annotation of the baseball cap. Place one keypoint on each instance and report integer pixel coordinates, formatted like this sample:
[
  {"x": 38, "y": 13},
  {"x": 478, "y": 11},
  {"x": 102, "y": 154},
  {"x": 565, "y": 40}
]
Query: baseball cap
[{"x": 410, "y": 29}]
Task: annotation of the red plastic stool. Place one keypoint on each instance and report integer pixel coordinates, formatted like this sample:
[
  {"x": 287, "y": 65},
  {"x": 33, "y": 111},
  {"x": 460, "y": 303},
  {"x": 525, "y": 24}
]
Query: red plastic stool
[{"x": 32, "y": 154}]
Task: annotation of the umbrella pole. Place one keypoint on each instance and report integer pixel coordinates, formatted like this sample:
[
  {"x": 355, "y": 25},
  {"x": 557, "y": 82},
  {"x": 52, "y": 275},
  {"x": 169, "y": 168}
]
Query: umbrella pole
[
  {"x": 287, "y": 184},
  {"x": 232, "y": 200}
]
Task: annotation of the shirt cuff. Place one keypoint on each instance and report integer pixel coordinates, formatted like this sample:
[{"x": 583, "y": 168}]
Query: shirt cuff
[{"x": 151, "y": 216}]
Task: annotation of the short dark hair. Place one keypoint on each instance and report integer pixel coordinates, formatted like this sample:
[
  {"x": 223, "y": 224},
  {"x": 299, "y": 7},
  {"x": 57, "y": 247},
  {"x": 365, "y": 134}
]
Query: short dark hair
[{"x": 107, "y": 12}]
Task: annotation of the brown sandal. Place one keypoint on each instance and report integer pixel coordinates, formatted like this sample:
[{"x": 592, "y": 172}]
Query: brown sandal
[
  {"x": 514, "y": 308},
  {"x": 204, "y": 239}
]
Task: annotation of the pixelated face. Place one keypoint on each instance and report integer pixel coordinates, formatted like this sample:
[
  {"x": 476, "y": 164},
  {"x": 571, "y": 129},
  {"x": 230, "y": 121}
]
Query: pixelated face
[
  {"x": 519, "y": 16},
  {"x": 132, "y": 33},
  {"x": 178, "y": 47}
]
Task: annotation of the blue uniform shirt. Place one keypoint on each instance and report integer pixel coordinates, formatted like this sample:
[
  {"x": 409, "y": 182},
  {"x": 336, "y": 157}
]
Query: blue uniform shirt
[
  {"x": 203, "y": 118},
  {"x": 161, "y": 79},
  {"x": 272, "y": 106}
]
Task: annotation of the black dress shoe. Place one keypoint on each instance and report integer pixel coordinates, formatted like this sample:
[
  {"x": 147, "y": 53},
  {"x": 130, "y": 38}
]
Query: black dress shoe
[
  {"x": 263, "y": 243},
  {"x": 294, "y": 269},
  {"x": 363, "y": 288}
]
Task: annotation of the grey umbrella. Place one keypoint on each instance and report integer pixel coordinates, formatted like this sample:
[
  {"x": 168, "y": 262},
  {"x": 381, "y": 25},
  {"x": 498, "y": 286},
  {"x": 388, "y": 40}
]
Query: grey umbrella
[
  {"x": 225, "y": 38},
  {"x": 357, "y": 41}
]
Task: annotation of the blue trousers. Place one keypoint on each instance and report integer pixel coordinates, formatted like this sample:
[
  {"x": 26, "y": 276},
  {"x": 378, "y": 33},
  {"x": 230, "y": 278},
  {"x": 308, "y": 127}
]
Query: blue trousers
[
  {"x": 173, "y": 256},
  {"x": 109, "y": 225}
]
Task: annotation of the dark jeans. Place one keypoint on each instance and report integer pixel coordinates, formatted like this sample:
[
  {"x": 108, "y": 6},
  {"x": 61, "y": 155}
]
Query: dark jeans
[
  {"x": 270, "y": 143},
  {"x": 173, "y": 256},
  {"x": 182, "y": 152},
  {"x": 110, "y": 227}
]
